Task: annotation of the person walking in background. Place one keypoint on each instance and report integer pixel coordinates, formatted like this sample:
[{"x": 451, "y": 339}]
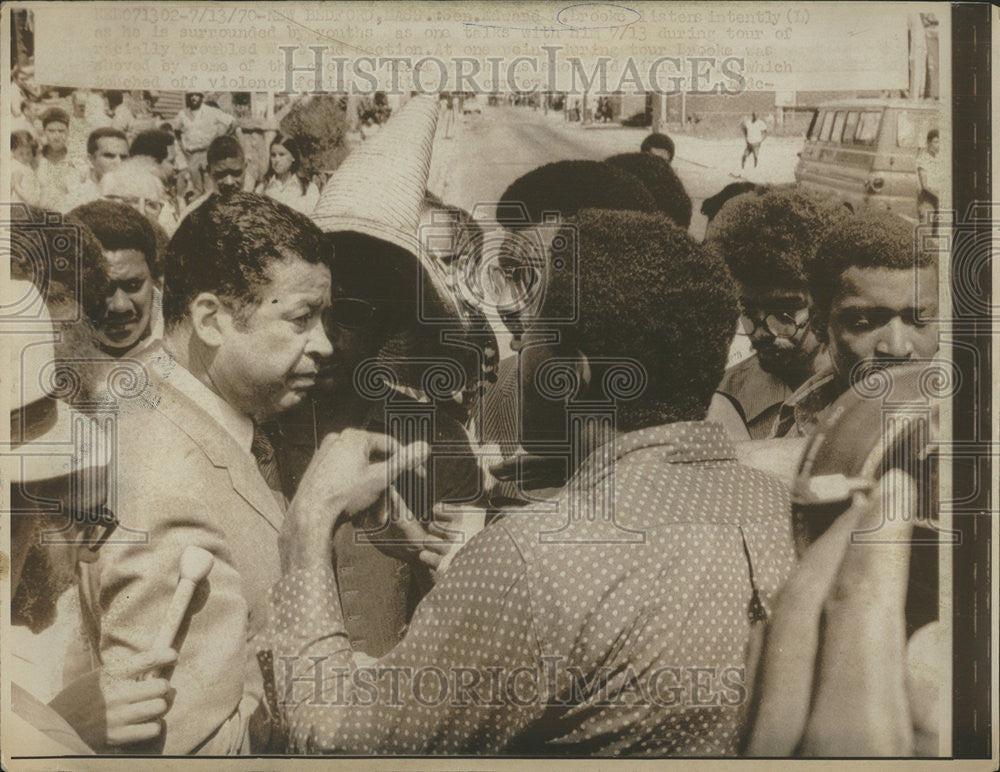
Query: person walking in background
[
  {"x": 284, "y": 180},
  {"x": 755, "y": 131},
  {"x": 122, "y": 117},
  {"x": 85, "y": 119},
  {"x": 933, "y": 176},
  {"x": 196, "y": 126}
]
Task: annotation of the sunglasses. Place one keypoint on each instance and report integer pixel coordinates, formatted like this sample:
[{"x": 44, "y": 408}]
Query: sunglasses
[
  {"x": 349, "y": 313},
  {"x": 781, "y": 324},
  {"x": 97, "y": 524}
]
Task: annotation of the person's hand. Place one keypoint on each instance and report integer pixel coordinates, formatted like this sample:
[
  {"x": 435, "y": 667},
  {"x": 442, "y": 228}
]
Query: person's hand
[
  {"x": 454, "y": 526},
  {"x": 348, "y": 474},
  {"x": 111, "y": 706},
  {"x": 833, "y": 677},
  {"x": 393, "y": 527}
]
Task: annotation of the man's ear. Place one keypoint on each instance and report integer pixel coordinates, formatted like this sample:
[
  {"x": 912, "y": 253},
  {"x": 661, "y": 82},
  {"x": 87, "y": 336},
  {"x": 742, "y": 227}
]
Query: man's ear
[{"x": 209, "y": 318}]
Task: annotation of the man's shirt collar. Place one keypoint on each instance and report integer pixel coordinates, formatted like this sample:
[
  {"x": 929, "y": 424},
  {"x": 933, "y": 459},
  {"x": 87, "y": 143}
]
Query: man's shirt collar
[{"x": 239, "y": 425}]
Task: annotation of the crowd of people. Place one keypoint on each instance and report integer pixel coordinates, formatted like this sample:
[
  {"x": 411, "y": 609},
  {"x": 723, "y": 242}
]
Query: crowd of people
[
  {"x": 70, "y": 151},
  {"x": 420, "y": 546}
]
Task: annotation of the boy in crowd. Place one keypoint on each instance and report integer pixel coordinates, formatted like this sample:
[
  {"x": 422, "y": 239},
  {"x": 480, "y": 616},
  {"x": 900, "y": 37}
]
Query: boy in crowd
[
  {"x": 58, "y": 172},
  {"x": 875, "y": 304}
]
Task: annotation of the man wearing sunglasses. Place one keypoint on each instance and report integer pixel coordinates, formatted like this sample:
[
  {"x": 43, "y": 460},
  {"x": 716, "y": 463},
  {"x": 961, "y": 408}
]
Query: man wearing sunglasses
[
  {"x": 59, "y": 521},
  {"x": 875, "y": 305},
  {"x": 764, "y": 238}
]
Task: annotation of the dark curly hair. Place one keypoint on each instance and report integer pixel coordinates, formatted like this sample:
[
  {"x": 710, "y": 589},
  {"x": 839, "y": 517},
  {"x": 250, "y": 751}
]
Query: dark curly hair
[
  {"x": 152, "y": 143},
  {"x": 766, "y": 238},
  {"x": 225, "y": 247},
  {"x": 648, "y": 291},
  {"x": 661, "y": 181},
  {"x": 658, "y": 142},
  {"x": 119, "y": 226},
  {"x": 567, "y": 187},
  {"x": 869, "y": 240}
]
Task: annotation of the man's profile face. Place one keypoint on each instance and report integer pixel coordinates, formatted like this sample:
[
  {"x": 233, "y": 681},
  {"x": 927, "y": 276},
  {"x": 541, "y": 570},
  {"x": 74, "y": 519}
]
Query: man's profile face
[
  {"x": 55, "y": 135},
  {"x": 166, "y": 170},
  {"x": 123, "y": 319},
  {"x": 228, "y": 173},
  {"x": 108, "y": 156},
  {"x": 779, "y": 354},
  {"x": 193, "y": 100},
  {"x": 267, "y": 363},
  {"x": 880, "y": 317}
]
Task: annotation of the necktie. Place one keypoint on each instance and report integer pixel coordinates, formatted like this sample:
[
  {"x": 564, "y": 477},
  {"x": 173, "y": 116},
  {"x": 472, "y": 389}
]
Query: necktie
[{"x": 267, "y": 459}]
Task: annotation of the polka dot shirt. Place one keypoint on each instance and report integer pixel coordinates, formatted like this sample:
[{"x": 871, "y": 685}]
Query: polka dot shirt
[{"x": 611, "y": 621}]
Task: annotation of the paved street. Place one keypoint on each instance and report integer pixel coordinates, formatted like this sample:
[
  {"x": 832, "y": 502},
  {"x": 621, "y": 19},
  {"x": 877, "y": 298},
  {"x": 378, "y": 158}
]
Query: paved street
[{"x": 484, "y": 154}]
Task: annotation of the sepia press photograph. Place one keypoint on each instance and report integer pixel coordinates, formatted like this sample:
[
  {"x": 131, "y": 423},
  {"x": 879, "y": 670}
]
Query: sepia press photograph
[{"x": 496, "y": 382}]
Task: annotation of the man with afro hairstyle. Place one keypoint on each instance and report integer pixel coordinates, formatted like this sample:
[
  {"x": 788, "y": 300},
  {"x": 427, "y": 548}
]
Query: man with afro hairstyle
[
  {"x": 875, "y": 304},
  {"x": 614, "y": 619},
  {"x": 764, "y": 239},
  {"x": 661, "y": 181},
  {"x": 530, "y": 210}
]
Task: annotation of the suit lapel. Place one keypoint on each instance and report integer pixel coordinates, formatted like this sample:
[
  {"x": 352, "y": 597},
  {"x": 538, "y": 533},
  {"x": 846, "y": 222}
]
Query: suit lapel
[{"x": 217, "y": 444}]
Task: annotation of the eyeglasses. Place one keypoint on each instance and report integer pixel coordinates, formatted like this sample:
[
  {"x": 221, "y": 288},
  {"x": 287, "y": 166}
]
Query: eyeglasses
[
  {"x": 349, "y": 313},
  {"x": 97, "y": 523},
  {"x": 781, "y": 324},
  {"x": 150, "y": 207}
]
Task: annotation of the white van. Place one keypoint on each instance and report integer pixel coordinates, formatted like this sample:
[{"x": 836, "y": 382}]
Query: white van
[{"x": 865, "y": 152}]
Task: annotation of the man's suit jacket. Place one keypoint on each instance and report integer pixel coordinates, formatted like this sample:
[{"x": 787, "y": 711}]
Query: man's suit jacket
[{"x": 182, "y": 479}]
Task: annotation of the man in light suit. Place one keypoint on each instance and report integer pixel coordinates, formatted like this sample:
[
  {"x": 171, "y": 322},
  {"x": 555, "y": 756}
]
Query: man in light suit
[{"x": 246, "y": 283}]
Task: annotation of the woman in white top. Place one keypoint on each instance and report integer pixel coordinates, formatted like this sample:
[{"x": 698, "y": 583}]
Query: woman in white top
[{"x": 284, "y": 181}]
